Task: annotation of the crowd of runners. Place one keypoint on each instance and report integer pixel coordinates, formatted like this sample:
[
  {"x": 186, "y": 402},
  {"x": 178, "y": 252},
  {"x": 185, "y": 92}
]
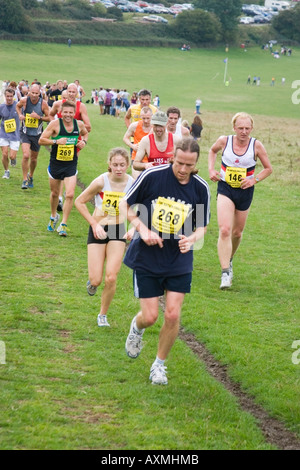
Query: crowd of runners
[{"x": 165, "y": 201}]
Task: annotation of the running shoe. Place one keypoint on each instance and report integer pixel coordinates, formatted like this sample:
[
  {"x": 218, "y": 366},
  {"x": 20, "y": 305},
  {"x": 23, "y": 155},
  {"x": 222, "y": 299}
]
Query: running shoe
[
  {"x": 52, "y": 223},
  {"x": 13, "y": 162},
  {"x": 91, "y": 289},
  {"x": 102, "y": 320},
  {"x": 62, "y": 230},
  {"x": 133, "y": 345},
  {"x": 6, "y": 175},
  {"x": 158, "y": 374},
  {"x": 29, "y": 181},
  {"x": 225, "y": 281},
  {"x": 24, "y": 184}
]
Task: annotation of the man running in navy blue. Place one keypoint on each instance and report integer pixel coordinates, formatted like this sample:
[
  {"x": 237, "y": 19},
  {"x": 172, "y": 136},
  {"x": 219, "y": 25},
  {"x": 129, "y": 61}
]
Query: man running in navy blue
[{"x": 173, "y": 212}]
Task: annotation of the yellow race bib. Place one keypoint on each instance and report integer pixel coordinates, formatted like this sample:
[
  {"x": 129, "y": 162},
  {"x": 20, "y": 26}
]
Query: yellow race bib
[
  {"x": 65, "y": 153},
  {"x": 10, "y": 125},
  {"x": 31, "y": 122},
  {"x": 169, "y": 216},
  {"x": 111, "y": 200},
  {"x": 234, "y": 176}
]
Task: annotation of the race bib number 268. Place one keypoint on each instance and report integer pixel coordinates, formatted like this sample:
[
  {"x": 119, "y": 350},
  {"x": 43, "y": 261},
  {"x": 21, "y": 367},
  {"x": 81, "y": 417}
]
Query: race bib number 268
[{"x": 169, "y": 216}]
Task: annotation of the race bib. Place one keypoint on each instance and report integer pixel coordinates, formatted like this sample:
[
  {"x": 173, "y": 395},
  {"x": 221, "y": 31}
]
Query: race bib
[
  {"x": 111, "y": 200},
  {"x": 234, "y": 176},
  {"x": 31, "y": 122},
  {"x": 65, "y": 153},
  {"x": 10, "y": 125},
  {"x": 169, "y": 216}
]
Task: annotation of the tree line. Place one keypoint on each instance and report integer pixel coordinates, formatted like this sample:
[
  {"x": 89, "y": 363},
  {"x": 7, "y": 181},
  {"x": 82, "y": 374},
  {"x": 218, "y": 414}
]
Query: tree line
[{"x": 209, "y": 23}]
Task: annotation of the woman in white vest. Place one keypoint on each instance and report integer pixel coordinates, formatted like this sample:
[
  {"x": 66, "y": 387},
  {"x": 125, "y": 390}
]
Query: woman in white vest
[{"x": 106, "y": 242}]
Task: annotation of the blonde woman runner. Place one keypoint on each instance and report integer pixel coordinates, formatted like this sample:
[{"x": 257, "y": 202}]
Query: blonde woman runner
[{"x": 106, "y": 242}]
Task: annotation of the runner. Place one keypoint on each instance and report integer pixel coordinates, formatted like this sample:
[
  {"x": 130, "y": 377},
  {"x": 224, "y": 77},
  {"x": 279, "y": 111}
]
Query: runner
[
  {"x": 134, "y": 112},
  {"x": 63, "y": 134},
  {"x": 107, "y": 229},
  {"x": 173, "y": 214},
  {"x": 235, "y": 187},
  {"x": 136, "y": 131},
  {"x": 33, "y": 111},
  {"x": 9, "y": 131},
  {"x": 81, "y": 114},
  {"x": 158, "y": 146}
]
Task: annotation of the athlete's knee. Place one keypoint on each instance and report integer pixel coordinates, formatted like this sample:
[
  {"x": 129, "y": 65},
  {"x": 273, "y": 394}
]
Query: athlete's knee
[
  {"x": 237, "y": 233},
  {"x": 70, "y": 194},
  {"x": 95, "y": 279},
  {"x": 149, "y": 316},
  {"x": 225, "y": 231},
  {"x": 110, "y": 279},
  {"x": 172, "y": 315}
]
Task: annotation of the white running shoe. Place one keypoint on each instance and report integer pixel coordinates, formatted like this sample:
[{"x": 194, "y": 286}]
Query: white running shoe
[
  {"x": 225, "y": 281},
  {"x": 102, "y": 320},
  {"x": 134, "y": 345},
  {"x": 158, "y": 374},
  {"x": 6, "y": 175}
]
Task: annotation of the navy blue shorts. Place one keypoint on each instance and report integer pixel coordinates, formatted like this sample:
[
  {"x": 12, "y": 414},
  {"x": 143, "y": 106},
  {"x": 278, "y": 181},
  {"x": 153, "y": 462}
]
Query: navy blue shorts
[
  {"x": 241, "y": 198},
  {"x": 147, "y": 285}
]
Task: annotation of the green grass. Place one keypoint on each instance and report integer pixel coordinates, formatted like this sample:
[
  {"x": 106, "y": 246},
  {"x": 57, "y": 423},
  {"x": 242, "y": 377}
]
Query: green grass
[{"x": 67, "y": 384}]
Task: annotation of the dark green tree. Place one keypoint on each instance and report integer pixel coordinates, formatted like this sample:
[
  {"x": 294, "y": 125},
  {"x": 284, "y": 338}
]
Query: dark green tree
[
  {"x": 13, "y": 18},
  {"x": 228, "y": 12},
  {"x": 198, "y": 26},
  {"x": 287, "y": 23}
]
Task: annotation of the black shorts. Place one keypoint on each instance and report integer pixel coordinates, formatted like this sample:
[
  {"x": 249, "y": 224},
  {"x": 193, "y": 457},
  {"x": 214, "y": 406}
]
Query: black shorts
[
  {"x": 60, "y": 172},
  {"x": 241, "y": 198},
  {"x": 33, "y": 140},
  {"x": 147, "y": 285},
  {"x": 114, "y": 233}
]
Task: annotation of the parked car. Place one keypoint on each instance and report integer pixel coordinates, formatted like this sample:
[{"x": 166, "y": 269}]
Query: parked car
[
  {"x": 260, "y": 19},
  {"x": 155, "y": 19},
  {"x": 246, "y": 20}
]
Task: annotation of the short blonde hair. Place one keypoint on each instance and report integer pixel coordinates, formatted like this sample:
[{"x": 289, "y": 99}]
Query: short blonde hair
[{"x": 241, "y": 115}]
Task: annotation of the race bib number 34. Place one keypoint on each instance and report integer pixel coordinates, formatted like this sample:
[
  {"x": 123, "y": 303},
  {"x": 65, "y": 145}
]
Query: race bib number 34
[
  {"x": 111, "y": 202},
  {"x": 169, "y": 216},
  {"x": 234, "y": 176}
]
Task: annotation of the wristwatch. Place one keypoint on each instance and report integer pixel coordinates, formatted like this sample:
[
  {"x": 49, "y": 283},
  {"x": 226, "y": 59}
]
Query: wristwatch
[{"x": 257, "y": 179}]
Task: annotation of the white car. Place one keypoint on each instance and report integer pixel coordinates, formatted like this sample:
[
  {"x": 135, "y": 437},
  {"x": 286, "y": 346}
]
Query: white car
[
  {"x": 155, "y": 19},
  {"x": 246, "y": 20}
]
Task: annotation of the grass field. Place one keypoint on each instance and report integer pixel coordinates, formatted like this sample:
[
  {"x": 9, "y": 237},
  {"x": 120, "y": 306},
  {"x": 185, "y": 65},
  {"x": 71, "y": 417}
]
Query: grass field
[{"x": 67, "y": 384}]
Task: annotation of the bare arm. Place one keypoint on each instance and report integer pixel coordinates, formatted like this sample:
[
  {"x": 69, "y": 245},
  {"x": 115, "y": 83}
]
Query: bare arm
[
  {"x": 212, "y": 155},
  {"x": 130, "y": 133},
  {"x": 261, "y": 153},
  {"x": 54, "y": 110},
  {"x": 51, "y": 130},
  {"x": 143, "y": 150},
  {"x": 81, "y": 205},
  {"x": 149, "y": 237},
  {"x": 85, "y": 118},
  {"x": 128, "y": 118}
]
